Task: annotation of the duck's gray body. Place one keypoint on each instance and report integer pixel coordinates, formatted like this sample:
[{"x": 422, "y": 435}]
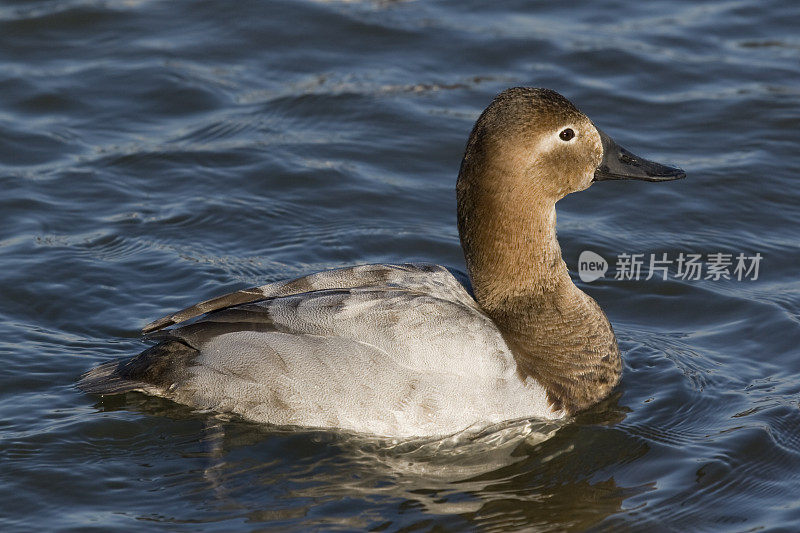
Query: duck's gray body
[{"x": 396, "y": 350}]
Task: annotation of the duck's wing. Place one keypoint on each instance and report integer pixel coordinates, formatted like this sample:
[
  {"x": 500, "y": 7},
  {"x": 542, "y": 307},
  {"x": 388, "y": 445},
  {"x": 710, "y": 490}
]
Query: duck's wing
[
  {"x": 415, "y": 326},
  {"x": 386, "y": 360},
  {"x": 412, "y": 276}
]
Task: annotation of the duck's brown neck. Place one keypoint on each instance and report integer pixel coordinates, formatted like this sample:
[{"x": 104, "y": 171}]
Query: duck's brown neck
[
  {"x": 558, "y": 334},
  {"x": 511, "y": 251}
]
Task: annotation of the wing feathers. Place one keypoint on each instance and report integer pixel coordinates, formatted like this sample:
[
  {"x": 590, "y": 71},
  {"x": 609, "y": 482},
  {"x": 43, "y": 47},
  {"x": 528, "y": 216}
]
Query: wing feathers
[
  {"x": 407, "y": 275},
  {"x": 235, "y": 298}
]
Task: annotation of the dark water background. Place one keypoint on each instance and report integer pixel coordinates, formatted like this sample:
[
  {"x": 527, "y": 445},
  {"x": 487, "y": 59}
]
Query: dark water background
[{"x": 156, "y": 153}]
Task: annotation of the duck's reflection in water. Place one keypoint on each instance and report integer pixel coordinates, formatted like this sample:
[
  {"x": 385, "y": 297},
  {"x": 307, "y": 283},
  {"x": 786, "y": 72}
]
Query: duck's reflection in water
[{"x": 514, "y": 475}]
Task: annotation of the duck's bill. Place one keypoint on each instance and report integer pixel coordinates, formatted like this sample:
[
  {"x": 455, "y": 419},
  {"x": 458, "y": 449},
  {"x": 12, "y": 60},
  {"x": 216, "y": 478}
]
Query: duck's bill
[{"x": 620, "y": 164}]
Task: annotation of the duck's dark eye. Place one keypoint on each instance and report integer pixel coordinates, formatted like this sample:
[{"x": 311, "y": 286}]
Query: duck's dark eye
[{"x": 567, "y": 134}]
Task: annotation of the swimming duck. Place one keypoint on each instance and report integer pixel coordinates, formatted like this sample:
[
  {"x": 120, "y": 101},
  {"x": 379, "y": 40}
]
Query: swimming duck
[{"x": 405, "y": 350}]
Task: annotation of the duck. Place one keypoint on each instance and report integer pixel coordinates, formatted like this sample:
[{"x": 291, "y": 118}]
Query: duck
[{"x": 416, "y": 349}]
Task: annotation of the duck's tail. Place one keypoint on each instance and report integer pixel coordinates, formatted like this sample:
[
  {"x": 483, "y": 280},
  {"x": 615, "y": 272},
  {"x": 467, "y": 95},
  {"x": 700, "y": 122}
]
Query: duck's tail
[
  {"x": 155, "y": 370},
  {"x": 106, "y": 379}
]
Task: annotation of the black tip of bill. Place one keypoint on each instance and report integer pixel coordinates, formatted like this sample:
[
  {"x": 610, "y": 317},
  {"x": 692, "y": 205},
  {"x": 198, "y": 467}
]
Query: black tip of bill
[{"x": 619, "y": 164}]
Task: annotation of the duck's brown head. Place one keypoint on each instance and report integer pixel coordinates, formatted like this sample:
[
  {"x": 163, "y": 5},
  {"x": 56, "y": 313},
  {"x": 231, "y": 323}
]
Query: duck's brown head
[{"x": 536, "y": 143}]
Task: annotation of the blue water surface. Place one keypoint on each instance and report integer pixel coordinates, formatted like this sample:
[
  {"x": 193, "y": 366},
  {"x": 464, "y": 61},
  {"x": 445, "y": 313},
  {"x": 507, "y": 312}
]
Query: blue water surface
[{"x": 155, "y": 153}]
